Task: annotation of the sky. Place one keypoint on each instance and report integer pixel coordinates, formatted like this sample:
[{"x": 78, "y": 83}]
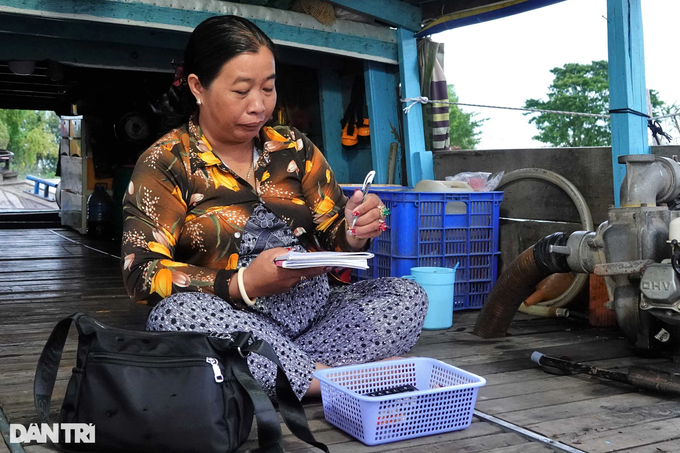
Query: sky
[{"x": 507, "y": 61}]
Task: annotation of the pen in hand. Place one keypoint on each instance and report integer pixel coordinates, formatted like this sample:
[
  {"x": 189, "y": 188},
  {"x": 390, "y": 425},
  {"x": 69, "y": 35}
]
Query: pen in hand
[{"x": 368, "y": 180}]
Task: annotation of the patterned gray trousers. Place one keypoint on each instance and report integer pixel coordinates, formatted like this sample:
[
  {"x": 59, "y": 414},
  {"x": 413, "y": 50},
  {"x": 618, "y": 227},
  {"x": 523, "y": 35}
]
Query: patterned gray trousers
[{"x": 363, "y": 322}]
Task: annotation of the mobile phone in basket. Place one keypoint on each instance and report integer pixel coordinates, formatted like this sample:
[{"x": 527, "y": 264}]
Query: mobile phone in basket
[{"x": 393, "y": 390}]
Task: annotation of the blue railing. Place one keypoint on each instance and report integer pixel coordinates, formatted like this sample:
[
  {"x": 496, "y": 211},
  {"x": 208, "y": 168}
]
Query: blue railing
[{"x": 37, "y": 187}]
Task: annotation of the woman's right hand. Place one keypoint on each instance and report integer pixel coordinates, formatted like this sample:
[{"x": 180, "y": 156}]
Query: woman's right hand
[{"x": 263, "y": 277}]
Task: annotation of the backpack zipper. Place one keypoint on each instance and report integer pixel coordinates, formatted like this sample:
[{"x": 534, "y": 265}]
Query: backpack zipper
[
  {"x": 216, "y": 368},
  {"x": 160, "y": 361}
]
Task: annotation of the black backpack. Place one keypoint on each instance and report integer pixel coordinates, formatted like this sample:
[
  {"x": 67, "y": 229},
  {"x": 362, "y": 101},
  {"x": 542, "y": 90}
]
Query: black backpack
[{"x": 165, "y": 391}]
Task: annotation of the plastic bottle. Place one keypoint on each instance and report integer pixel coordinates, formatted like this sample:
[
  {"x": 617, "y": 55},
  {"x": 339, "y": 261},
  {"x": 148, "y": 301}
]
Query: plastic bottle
[{"x": 99, "y": 213}]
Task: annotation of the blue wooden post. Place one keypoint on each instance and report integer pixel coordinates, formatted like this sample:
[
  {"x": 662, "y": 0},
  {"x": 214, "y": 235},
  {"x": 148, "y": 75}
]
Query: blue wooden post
[
  {"x": 331, "y": 114},
  {"x": 418, "y": 160},
  {"x": 627, "y": 87},
  {"x": 383, "y": 109}
]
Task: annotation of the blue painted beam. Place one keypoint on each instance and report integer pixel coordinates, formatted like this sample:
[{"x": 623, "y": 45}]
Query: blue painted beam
[
  {"x": 393, "y": 12},
  {"x": 94, "y": 39},
  {"x": 627, "y": 86},
  {"x": 153, "y": 16},
  {"x": 330, "y": 97},
  {"x": 98, "y": 54},
  {"x": 83, "y": 31},
  {"x": 382, "y": 84},
  {"x": 418, "y": 160}
]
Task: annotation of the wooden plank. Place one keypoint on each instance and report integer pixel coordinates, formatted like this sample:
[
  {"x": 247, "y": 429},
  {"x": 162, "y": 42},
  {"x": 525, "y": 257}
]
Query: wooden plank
[
  {"x": 4, "y": 202},
  {"x": 608, "y": 419},
  {"x": 526, "y": 375},
  {"x": 471, "y": 345},
  {"x": 47, "y": 252},
  {"x": 670, "y": 446},
  {"x": 22, "y": 194},
  {"x": 98, "y": 274},
  {"x": 105, "y": 314},
  {"x": 30, "y": 241},
  {"x": 563, "y": 383},
  {"x": 478, "y": 430},
  {"x": 77, "y": 285},
  {"x": 38, "y": 449},
  {"x": 588, "y": 390},
  {"x": 634, "y": 436},
  {"x": 14, "y": 293},
  {"x": 533, "y": 447},
  {"x": 483, "y": 364},
  {"x": 54, "y": 264},
  {"x": 32, "y": 231},
  {"x": 14, "y": 200},
  {"x": 71, "y": 296},
  {"x": 620, "y": 401},
  {"x": 443, "y": 338},
  {"x": 472, "y": 445}
]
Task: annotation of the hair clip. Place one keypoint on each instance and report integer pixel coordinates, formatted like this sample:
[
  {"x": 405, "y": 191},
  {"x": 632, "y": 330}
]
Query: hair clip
[{"x": 179, "y": 76}]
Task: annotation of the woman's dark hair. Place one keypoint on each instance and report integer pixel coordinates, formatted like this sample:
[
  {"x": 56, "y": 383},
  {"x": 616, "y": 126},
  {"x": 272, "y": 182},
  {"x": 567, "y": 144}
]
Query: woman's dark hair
[{"x": 213, "y": 43}]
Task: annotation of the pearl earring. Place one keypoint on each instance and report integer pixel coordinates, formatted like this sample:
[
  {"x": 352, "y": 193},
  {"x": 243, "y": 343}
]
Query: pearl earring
[{"x": 198, "y": 101}]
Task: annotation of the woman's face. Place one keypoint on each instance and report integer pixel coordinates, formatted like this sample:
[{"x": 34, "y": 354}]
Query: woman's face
[{"x": 241, "y": 98}]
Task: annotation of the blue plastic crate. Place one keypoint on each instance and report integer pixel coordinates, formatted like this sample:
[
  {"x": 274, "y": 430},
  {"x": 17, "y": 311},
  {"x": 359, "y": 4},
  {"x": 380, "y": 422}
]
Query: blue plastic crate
[{"x": 439, "y": 229}]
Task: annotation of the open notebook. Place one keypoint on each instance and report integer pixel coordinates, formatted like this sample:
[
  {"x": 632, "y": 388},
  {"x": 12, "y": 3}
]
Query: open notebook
[{"x": 298, "y": 260}]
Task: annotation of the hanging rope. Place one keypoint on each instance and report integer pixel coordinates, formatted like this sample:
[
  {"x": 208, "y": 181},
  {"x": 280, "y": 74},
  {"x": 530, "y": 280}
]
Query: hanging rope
[
  {"x": 657, "y": 131},
  {"x": 424, "y": 100}
]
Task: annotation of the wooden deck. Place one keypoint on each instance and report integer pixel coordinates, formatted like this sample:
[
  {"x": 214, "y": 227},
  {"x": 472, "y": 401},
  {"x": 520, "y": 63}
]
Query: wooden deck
[
  {"x": 14, "y": 197},
  {"x": 48, "y": 274}
]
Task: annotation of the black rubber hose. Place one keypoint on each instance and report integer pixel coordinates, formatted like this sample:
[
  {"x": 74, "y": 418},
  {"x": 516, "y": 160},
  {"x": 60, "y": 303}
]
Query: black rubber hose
[{"x": 517, "y": 283}]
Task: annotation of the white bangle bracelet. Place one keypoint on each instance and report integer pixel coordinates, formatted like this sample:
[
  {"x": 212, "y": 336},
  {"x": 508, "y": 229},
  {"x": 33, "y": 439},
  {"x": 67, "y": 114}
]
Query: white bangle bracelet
[{"x": 242, "y": 288}]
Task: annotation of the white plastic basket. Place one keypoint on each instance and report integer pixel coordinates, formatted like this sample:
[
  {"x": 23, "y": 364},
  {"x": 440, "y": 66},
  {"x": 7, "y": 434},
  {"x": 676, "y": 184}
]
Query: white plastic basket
[{"x": 444, "y": 401}]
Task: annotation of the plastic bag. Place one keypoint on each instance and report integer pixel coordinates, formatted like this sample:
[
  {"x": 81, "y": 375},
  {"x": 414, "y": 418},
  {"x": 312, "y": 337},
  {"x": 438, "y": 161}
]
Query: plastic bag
[{"x": 479, "y": 181}]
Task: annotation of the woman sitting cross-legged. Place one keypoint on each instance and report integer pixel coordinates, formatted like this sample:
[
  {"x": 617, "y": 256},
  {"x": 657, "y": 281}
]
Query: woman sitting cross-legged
[{"x": 214, "y": 201}]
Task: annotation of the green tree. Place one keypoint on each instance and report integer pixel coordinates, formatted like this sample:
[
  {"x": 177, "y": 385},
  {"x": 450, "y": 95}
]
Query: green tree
[
  {"x": 14, "y": 120},
  {"x": 33, "y": 138},
  {"x": 4, "y": 136},
  {"x": 575, "y": 88},
  {"x": 39, "y": 151},
  {"x": 582, "y": 88},
  {"x": 463, "y": 127}
]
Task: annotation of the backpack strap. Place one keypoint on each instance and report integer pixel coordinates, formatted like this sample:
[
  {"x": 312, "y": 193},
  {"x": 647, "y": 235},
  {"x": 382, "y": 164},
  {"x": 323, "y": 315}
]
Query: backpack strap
[
  {"x": 290, "y": 406},
  {"x": 48, "y": 366}
]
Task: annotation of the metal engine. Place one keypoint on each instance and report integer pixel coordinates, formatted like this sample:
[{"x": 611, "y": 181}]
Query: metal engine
[{"x": 637, "y": 251}]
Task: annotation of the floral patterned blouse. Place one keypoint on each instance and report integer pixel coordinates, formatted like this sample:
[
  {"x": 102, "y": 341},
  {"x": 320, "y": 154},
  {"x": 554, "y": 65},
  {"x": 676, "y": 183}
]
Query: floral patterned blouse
[{"x": 185, "y": 211}]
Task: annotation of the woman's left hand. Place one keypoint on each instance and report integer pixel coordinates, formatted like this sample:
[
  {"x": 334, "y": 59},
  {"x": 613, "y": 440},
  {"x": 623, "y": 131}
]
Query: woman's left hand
[{"x": 369, "y": 220}]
